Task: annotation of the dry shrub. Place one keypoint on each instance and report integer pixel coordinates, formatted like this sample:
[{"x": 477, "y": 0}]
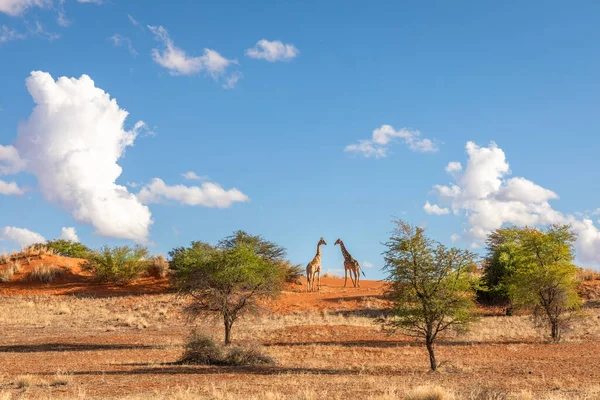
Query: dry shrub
[
  {"x": 6, "y": 274},
  {"x": 45, "y": 273},
  {"x": 428, "y": 393},
  {"x": 4, "y": 258},
  {"x": 201, "y": 349},
  {"x": 158, "y": 267},
  {"x": 62, "y": 379},
  {"x": 588, "y": 274}
]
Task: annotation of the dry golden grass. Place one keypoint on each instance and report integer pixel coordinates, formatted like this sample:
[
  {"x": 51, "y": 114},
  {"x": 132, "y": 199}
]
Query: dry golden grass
[
  {"x": 45, "y": 273},
  {"x": 588, "y": 274},
  {"x": 321, "y": 355},
  {"x": 159, "y": 267}
]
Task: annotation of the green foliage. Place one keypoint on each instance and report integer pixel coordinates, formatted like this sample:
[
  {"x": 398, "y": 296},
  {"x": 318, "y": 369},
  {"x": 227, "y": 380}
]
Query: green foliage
[
  {"x": 68, "y": 248},
  {"x": 201, "y": 349},
  {"x": 227, "y": 280},
  {"x": 500, "y": 262},
  {"x": 119, "y": 265},
  {"x": 431, "y": 286},
  {"x": 544, "y": 277}
]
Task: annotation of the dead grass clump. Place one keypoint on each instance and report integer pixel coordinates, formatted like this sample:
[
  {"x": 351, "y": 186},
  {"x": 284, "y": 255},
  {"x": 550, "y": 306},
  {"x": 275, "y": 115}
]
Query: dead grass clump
[
  {"x": 158, "y": 267},
  {"x": 6, "y": 274},
  {"x": 201, "y": 349},
  {"x": 45, "y": 273},
  {"x": 588, "y": 274},
  {"x": 482, "y": 393},
  {"x": 4, "y": 258},
  {"x": 428, "y": 393},
  {"x": 61, "y": 379},
  {"x": 24, "y": 381}
]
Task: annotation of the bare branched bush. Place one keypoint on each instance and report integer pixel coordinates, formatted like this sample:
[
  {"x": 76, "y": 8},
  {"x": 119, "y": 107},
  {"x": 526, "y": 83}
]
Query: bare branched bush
[{"x": 45, "y": 273}]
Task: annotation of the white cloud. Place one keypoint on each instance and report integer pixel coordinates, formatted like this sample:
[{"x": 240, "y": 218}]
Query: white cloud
[
  {"x": 72, "y": 142},
  {"x": 69, "y": 233},
  {"x": 435, "y": 209},
  {"x": 453, "y": 167},
  {"x": 191, "y": 175},
  {"x": 208, "y": 194},
  {"x": 18, "y": 7},
  {"x": 10, "y": 161},
  {"x": 597, "y": 212},
  {"x": 367, "y": 264},
  {"x": 490, "y": 199},
  {"x": 10, "y": 188},
  {"x": 20, "y": 236},
  {"x": 454, "y": 237},
  {"x": 120, "y": 40},
  {"x": 39, "y": 31},
  {"x": 273, "y": 51},
  {"x": 475, "y": 246},
  {"x": 133, "y": 20},
  {"x": 7, "y": 34},
  {"x": 367, "y": 149},
  {"x": 178, "y": 62},
  {"x": 232, "y": 80},
  {"x": 382, "y": 136}
]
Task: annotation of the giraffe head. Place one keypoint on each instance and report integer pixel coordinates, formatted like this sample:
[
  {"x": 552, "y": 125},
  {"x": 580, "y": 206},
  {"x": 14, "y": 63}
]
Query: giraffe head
[
  {"x": 322, "y": 241},
  {"x": 339, "y": 241}
]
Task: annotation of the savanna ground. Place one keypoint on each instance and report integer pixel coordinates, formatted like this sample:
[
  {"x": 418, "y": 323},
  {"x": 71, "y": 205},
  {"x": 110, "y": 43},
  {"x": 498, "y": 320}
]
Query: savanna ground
[{"x": 69, "y": 340}]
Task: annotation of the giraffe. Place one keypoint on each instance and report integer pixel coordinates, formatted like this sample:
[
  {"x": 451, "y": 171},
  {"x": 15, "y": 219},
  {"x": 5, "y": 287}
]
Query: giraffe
[
  {"x": 350, "y": 264},
  {"x": 314, "y": 268}
]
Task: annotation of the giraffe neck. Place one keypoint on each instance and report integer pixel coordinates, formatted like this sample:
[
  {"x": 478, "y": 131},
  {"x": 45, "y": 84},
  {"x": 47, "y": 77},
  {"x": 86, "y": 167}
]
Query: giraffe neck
[
  {"x": 344, "y": 251},
  {"x": 318, "y": 255}
]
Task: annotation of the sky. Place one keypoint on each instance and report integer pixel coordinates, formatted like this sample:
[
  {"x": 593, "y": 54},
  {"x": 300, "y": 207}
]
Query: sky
[{"x": 123, "y": 123}]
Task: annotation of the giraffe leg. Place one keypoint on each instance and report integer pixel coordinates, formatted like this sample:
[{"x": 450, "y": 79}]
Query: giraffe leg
[
  {"x": 352, "y": 279},
  {"x": 358, "y": 277},
  {"x": 319, "y": 284},
  {"x": 345, "y": 276}
]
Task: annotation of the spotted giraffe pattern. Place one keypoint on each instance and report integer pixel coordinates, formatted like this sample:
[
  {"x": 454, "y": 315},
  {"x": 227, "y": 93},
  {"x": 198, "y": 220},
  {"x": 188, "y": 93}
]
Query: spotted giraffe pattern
[
  {"x": 314, "y": 269},
  {"x": 350, "y": 264}
]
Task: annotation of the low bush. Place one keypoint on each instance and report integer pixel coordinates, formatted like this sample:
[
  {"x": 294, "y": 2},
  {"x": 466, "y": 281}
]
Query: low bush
[
  {"x": 291, "y": 273},
  {"x": 119, "y": 265},
  {"x": 201, "y": 349}
]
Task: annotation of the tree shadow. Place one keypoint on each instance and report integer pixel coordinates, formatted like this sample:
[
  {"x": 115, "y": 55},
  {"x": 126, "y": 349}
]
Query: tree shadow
[
  {"x": 67, "y": 347},
  {"x": 396, "y": 343}
]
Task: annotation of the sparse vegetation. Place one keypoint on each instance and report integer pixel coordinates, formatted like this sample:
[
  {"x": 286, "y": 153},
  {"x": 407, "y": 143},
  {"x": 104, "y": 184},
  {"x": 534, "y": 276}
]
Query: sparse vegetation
[
  {"x": 227, "y": 280},
  {"x": 119, "y": 265},
  {"x": 201, "y": 348},
  {"x": 430, "y": 285},
  {"x": 45, "y": 273}
]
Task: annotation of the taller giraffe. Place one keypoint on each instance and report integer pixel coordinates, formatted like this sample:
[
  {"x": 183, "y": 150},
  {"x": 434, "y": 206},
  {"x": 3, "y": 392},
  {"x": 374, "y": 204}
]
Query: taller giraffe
[
  {"x": 314, "y": 268},
  {"x": 350, "y": 264}
]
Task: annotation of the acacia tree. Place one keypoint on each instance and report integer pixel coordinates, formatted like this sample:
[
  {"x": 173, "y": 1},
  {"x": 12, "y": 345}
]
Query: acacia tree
[
  {"x": 544, "y": 278},
  {"x": 431, "y": 286},
  {"x": 500, "y": 262},
  {"x": 227, "y": 279}
]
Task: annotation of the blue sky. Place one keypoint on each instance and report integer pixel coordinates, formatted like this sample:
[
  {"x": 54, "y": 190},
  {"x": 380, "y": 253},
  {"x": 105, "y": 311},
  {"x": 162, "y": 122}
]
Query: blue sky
[{"x": 428, "y": 78}]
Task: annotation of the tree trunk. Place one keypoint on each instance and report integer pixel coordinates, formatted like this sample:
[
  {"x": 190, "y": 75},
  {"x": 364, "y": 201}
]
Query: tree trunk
[
  {"x": 555, "y": 331},
  {"x": 431, "y": 350},
  {"x": 228, "y": 325}
]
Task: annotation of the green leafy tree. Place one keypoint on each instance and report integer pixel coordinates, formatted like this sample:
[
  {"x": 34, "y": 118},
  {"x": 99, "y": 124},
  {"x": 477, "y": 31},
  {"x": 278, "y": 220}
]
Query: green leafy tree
[
  {"x": 432, "y": 286},
  {"x": 500, "y": 262},
  {"x": 229, "y": 279},
  {"x": 68, "y": 248},
  {"x": 119, "y": 265},
  {"x": 544, "y": 277}
]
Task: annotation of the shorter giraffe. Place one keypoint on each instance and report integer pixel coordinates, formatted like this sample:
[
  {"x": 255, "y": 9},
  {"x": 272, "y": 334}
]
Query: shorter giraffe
[
  {"x": 350, "y": 264},
  {"x": 314, "y": 268}
]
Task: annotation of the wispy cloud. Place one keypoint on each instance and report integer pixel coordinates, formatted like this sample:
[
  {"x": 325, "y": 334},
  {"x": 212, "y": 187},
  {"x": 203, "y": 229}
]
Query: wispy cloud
[
  {"x": 381, "y": 138},
  {"x": 120, "y": 40},
  {"x": 273, "y": 51}
]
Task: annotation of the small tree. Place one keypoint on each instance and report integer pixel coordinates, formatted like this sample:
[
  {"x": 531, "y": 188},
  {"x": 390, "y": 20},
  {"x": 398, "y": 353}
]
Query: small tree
[
  {"x": 68, "y": 248},
  {"x": 227, "y": 280},
  {"x": 119, "y": 265},
  {"x": 430, "y": 285},
  {"x": 500, "y": 262},
  {"x": 544, "y": 278}
]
